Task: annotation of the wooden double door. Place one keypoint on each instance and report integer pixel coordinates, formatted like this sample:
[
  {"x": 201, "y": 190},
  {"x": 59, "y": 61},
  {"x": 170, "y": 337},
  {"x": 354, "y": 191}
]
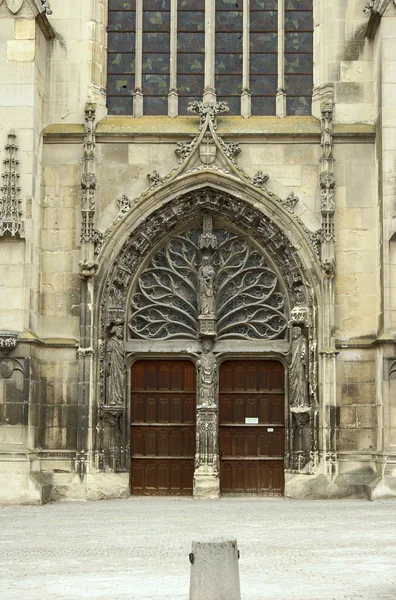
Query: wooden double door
[{"x": 251, "y": 427}]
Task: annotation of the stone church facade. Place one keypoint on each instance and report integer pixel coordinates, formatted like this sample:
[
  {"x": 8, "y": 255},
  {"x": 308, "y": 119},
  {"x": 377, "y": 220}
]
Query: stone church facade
[{"x": 197, "y": 248}]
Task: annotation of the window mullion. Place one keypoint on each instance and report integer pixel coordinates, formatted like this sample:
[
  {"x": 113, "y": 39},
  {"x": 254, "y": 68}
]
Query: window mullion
[
  {"x": 246, "y": 100},
  {"x": 138, "y": 96},
  {"x": 173, "y": 101},
  {"x": 210, "y": 28},
  {"x": 281, "y": 93}
]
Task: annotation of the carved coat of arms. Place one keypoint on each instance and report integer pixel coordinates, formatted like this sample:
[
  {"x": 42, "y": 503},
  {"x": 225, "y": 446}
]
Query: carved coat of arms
[{"x": 207, "y": 151}]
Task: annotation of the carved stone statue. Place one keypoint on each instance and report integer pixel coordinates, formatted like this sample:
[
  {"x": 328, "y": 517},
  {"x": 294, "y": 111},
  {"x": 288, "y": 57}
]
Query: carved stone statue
[
  {"x": 207, "y": 377},
  {"x": 206, "y": 298},
  {"x": 115, "y": 367},
  {"x": 298, "y": 371}
]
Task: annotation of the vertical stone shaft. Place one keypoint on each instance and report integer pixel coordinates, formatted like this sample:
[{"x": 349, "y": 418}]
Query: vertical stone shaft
[{"x": 328, "y": 350}]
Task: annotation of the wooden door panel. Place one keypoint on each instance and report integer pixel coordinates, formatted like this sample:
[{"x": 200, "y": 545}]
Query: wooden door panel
[
  {"x": 162, "y": 427},
  {"x": 251, "y": 453}
]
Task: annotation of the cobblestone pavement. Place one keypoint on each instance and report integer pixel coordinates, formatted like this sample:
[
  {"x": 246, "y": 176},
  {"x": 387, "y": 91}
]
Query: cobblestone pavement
[{"x": 138, "y": 548}]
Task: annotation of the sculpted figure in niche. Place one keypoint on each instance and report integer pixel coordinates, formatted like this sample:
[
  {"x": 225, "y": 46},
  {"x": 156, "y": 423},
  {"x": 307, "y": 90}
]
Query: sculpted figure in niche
[
  {"x": 207, "y": 376},
  {"x": 206, "y": 298},
  {"x": 298, "y": 372},
  {"x": 115, "y": 367}
]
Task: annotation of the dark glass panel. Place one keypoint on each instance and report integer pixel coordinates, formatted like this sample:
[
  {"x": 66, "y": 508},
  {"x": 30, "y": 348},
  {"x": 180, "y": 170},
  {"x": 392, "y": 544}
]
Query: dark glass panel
[
  {"x": 191, "y": 42},
  {"x": 190, "y": 63},
  {"x": 298, "y": 85},
  {"x": 263, "y": 4},
  {"x": 156, "y": 42},
  {"x": 228, "y": 63},
  {"x": 118, "y": 85},
  {"x": 122, "y": 21},
  {"x": 121, "y": 63},
  {"x": 190, "y": 85},
  {"x": 121, "y": 42},
  {"x": 121, "y": 4},
  {"x": 228, "y": 85},
  {"x": 155, "y": 85},
  {"x": 229, "y": 21},
  {"x": 234, "y": 103},
  {"x": 228, "y": 5},
  {"x": 299, "y": 21},
  {"x": 298, "y": 42},
  {"x": 156, "y": 4},
  {"x": 121, "y": 105},
  {"x": 263, "y": 105},
  {"x": 264, "y": 21},
  {"x": 298, "y": 4},
  {"x": 264, "y": 63},
  {"x": 228, "y": 42},
  {"x": 263, "y": 85},
  {"x": 155, "y": 105},
  {"x": 156, "y": 63},
  {"x": 156, "y": 21},
  {"x": 191, "y": 5},
  {"x": 191, "y": 21},
  {"x": 264, "y": 42},
  {"x": 298, "y": 63},
  {"x": 298, "y": 105}
]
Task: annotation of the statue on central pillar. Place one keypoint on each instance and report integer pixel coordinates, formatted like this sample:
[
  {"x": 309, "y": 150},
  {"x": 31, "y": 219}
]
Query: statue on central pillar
[
  {"x": 207, "y": 377},
  {"x": 206, "y": 297}
]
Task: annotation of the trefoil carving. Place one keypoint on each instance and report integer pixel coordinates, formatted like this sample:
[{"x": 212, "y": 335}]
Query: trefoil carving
[{"x": 11, "y": 223}]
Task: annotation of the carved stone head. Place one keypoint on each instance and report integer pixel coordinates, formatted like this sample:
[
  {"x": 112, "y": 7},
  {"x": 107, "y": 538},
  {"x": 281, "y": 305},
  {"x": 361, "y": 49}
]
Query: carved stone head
[
  {"x": 296, "y": 333},
  {"x": 207, "y": 346}
]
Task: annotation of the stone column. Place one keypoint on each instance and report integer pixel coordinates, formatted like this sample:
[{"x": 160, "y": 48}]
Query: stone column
[
  {"x": 209, "y": 96},
  {"x": 206, "y": 475},
  {"x": 328, "y": 349},
  {"x": 246, "y": 98},
  {"x": 281, "y": 94}
]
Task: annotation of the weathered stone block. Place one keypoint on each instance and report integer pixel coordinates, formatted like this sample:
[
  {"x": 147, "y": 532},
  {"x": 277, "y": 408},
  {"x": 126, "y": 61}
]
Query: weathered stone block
[{"x": 21, "y": 50}]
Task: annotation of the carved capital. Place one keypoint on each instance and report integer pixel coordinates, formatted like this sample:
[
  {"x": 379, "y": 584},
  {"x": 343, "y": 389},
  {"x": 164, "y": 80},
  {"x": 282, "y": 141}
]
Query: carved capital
[
  {"x": 111, "y": 414},
  {"x": 88, "y": 268}
]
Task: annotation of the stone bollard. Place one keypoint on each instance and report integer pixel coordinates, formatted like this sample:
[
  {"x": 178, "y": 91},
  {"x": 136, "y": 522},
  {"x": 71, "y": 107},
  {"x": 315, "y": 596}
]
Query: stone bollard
[{"x": 214, "y": 569}]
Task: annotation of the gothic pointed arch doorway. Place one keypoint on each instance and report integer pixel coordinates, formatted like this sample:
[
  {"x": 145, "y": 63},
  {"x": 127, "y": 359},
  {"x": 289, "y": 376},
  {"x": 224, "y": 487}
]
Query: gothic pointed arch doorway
[{"x": 214, "y": 291}]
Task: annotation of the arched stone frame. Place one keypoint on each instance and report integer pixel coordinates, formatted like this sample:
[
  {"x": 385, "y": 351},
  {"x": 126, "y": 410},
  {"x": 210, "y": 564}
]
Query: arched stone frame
[{"x": 141, "y": 230}]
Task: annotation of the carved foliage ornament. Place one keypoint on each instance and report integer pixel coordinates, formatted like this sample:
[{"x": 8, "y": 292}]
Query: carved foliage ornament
[{"x": 11, "y": 223}]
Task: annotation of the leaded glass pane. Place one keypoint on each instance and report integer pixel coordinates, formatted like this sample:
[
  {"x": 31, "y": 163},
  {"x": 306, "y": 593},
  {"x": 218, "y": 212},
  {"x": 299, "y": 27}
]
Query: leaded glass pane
[
  {"x": 191, "y": 42},
  {"x": 234, "y": 103},
  {"x": 299, "y": 85},
  {"x": 298, "y": 5},
  {"x": 263, "y": 42},
  {"x": 121, "y": 4},
  {"x": 155, "y": 63},
  {"x": 156, "y": 42},
  {"x": 298, "y": 63},
  {"x": 263, "y": 105},
  {"x": 229, "y": 63},
  {"x": 264, "y": 21},
  {"x": 190, "y": 63},
  {"x": 190, "y": 85},
  {"x": 191, "y": 21},
  {"x": 120, "y": 85},
  {"x": 263, "y": 4},
  {"x": 264, "y": 63},
  {"x": 156, "y": 5},
  {"x": 155, "y": 85},
  {"x": 299, "y": 21},
  {"x": 122, "y": 21},
  {"x": 121, "y": 42},
  {"x": 229, "y": 21},
  {"x": 156, "y": 21},
  {"x": 300, "y": 106},
  {"x": 155, "y": 105},
  {"x": 298, "y": 42},
  {"x": 121, "y": 105},
  {"x": 191, "y": 5},
  {"x": 228, "y": 85},
  {"x": 121, "y": 63},
  {"x": 263, "y": 85}
]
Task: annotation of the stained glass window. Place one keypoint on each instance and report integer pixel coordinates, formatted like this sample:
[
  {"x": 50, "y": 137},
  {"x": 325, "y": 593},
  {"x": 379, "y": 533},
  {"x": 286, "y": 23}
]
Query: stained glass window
[
  {"x": 229, "y": 57},
  {"x": 156, "y": 56},
  {"x": 121, "y": 56},
  {"x": 263, "y": 43},
  {"x": 190, "y": 52},
  {"x": 298, "y": 56},
  {"x": 245, "y": 55}
]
